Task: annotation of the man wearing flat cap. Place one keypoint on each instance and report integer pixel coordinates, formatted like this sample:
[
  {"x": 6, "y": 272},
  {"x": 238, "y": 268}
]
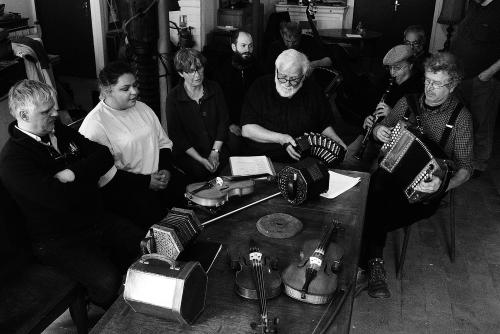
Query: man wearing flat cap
[
  {"x": 432, "y": 112},
  {"x": 405, "y": 80}
]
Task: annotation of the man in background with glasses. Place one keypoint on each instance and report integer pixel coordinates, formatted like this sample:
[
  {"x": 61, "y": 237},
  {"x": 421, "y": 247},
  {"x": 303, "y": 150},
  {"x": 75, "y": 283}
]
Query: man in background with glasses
[
  {"x": 282, "y": 106},
  {"x": 387, "y": 206},
  {"x": 414, "y": 37}
]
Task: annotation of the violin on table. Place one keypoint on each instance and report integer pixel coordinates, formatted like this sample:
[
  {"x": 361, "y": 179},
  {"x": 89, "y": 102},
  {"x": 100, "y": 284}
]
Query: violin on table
[
  {"x": 216, "y": 192},
  {"x": 313, "y": 278},
  {"x": 257, "y": 279}
]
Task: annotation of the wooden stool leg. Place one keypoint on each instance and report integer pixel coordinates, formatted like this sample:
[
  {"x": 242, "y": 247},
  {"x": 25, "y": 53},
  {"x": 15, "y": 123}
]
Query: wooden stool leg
[
  {"x": 399, "y": 272},
  {"x": 78, "y": 311},
  {"x": 452, "y": 225}
]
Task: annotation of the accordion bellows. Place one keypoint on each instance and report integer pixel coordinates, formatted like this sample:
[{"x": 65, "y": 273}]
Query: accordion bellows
[
  {"x": 320, "y": 147},
  {"x": 171, "y": 235}
]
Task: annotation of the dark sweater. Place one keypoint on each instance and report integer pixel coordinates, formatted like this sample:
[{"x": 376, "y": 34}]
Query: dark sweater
[
  {"x": 54, "y": 209},
  {"x": 197, "y": 125},
  {"x": 235, "y": 81},
  {"x": 306, "y": 111}
]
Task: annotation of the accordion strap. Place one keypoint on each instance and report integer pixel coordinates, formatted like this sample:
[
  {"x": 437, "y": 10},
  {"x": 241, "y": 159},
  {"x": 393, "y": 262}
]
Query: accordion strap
[
  {"x": 450, "y": 124},
  {"x": 413, "y": 107},
  {"x": 412, "y": 100}
]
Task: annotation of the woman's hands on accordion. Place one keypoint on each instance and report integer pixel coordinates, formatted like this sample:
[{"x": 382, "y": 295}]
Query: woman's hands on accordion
[{"x": 429, "y": 185}]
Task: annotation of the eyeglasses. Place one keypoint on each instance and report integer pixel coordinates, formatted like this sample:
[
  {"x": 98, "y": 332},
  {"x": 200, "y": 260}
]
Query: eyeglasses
[
  {"x": 282, "y": 79},
  {"x": 396, "y": 68},
  {"x": 196, "y": 70},
  {"x": 413, "y": 43},
  {"x": 436, "y": 84}
]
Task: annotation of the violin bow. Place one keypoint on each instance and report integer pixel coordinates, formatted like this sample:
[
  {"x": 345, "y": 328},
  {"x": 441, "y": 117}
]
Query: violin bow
[{"x": 339, "y": 296}]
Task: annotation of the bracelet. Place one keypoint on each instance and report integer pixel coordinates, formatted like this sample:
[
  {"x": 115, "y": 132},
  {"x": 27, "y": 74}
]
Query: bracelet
[{"x": 215, "y": 150}]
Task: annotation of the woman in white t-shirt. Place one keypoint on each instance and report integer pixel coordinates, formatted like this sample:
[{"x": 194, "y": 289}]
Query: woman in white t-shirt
[{"x": 144, "y": 182}]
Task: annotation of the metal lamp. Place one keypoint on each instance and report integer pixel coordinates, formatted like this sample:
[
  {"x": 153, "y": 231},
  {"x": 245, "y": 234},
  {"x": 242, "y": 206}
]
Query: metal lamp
[{"x": 452, "y": 12}]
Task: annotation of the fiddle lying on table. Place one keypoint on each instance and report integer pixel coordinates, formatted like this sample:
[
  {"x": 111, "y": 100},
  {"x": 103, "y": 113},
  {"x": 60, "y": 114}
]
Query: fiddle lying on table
[
  {"x": 313, "y": 279},
  {"x": 217, "y": 191},
  {"x": 257, "y": 279}
]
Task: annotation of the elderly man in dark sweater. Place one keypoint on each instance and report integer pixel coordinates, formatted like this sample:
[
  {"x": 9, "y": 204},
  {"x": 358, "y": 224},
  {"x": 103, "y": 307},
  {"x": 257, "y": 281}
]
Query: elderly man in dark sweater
[
  {"x": 51, "y": 171},
  {"x": 281, "y": 107}
]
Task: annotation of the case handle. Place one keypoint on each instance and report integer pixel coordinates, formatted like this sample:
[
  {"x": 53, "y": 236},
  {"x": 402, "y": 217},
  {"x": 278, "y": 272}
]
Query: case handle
[{"x": 159, "y": 257}]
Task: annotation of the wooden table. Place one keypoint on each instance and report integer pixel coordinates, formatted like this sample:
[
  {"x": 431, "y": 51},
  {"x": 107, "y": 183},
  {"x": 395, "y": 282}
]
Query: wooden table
[
  {"x": 225, "y": 312},
  {"x": 345, "y": 36},
  {"x": 366, "y": 45}
]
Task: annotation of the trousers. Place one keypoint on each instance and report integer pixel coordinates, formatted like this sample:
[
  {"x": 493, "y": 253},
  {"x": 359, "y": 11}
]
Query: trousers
[
  {"x": 388, "y": 209},
  {"x": 482, "y": 98},
  {"x": 96, "y": 257}
]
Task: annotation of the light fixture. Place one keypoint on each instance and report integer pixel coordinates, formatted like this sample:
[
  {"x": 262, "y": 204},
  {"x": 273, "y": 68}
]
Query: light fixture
[{"x": 452, "y": 12}]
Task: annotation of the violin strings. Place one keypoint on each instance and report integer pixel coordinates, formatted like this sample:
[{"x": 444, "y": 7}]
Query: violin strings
[{"x": 260, "y": 286}]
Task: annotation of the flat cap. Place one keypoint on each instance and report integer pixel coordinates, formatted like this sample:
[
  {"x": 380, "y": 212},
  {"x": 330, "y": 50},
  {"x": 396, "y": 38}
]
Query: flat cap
[{"x": 397, "y": 54}]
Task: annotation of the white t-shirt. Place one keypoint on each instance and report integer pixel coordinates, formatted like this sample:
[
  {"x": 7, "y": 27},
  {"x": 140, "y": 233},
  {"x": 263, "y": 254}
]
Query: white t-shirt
[{"x": 134, "y": 136}]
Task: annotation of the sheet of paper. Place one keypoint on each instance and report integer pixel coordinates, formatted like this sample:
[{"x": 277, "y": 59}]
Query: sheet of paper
[
  {"x": 339, "y": 184},
  {"x": 251, "y": 165}
]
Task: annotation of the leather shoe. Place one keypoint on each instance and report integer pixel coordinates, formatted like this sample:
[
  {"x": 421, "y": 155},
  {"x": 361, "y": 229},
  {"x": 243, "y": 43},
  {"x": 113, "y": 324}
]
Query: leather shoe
[
  {"x": 377, "y": 280},
  {"x": 477, "y": 173}
]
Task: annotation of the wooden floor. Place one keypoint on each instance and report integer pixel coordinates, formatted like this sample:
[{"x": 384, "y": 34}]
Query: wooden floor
[{"x": 435, "y": 295}]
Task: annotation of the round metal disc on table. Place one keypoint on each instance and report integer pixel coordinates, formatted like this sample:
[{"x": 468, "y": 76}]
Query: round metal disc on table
[{"x": 279, "y": 225}]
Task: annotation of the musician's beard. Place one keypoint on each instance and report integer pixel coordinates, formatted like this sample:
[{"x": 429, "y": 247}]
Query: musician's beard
[
  {"x": 287, "y": 92},
  {"x": 243, "y": 60}
]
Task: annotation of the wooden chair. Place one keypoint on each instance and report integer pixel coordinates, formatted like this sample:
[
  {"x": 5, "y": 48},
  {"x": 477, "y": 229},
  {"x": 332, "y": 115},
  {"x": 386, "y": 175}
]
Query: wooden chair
[{"x": 407, "y": 230}]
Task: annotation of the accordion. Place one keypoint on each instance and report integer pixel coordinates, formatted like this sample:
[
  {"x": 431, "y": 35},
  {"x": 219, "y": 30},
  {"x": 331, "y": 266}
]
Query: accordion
[
  {"x": 171, "y": 235},
  {"x": 161, "y": 287},
  {"x": 305, "y": 179},
  {"x": 411, "y": 157},
  {"x": 321, "y": 147}
]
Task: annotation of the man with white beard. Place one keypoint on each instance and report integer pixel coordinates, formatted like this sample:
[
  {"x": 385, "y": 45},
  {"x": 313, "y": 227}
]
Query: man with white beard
[{"x": 281, "y": 107}]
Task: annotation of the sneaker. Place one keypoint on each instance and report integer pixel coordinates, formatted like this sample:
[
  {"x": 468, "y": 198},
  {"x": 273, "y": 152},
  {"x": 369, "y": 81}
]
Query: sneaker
[{"x": 377, "y": 280}]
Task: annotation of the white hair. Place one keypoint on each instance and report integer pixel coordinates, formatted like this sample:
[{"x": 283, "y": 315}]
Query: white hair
[
  {"x": 292, "y": 58},
  {"x": 27, "y": 94}
]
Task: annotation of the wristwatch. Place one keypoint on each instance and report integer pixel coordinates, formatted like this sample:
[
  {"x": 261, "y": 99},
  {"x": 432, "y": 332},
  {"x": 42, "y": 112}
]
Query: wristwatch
[{"x": 215, "y": 150}]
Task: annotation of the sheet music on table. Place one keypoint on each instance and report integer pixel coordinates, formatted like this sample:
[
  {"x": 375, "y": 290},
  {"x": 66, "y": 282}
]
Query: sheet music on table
[{"x": 252, "y": 165}]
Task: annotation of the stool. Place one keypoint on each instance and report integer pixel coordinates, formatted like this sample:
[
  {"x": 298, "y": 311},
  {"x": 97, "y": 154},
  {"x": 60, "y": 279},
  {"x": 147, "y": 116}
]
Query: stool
[{"x": 407, "y": 230}]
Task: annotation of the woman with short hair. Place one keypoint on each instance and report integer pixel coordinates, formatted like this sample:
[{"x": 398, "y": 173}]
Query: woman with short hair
[{"x": 197, "y": 118}]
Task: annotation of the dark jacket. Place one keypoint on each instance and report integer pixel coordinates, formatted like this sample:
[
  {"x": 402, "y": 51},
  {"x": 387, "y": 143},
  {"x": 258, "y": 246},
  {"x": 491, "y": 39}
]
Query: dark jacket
[
  {"x": 235, "y": 81},
  {"x": 197, "y": 125},
  {"x": 54, "y": 209}
]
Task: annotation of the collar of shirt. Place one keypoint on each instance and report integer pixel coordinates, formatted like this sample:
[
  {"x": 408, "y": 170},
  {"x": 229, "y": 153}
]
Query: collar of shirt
[
  {"x": 183, "y": 96},
  {"x": 436, "y": 109},
  {"x": 32, "y": 135}
]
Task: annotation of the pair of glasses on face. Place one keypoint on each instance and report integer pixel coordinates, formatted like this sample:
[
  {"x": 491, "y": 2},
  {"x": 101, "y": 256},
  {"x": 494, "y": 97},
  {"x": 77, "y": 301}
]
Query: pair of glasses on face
[
  {"x": 412, "y": 43},
  {"x": 436, "y": 84},
  {"x": 282, "y": 79},
  {"x": 196, "y": 70},
  {"x": 396, "y": 68}
]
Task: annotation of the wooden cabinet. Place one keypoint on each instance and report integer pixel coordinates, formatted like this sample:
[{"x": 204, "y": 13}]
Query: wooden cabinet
[{"x": 326, "y": 17}]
